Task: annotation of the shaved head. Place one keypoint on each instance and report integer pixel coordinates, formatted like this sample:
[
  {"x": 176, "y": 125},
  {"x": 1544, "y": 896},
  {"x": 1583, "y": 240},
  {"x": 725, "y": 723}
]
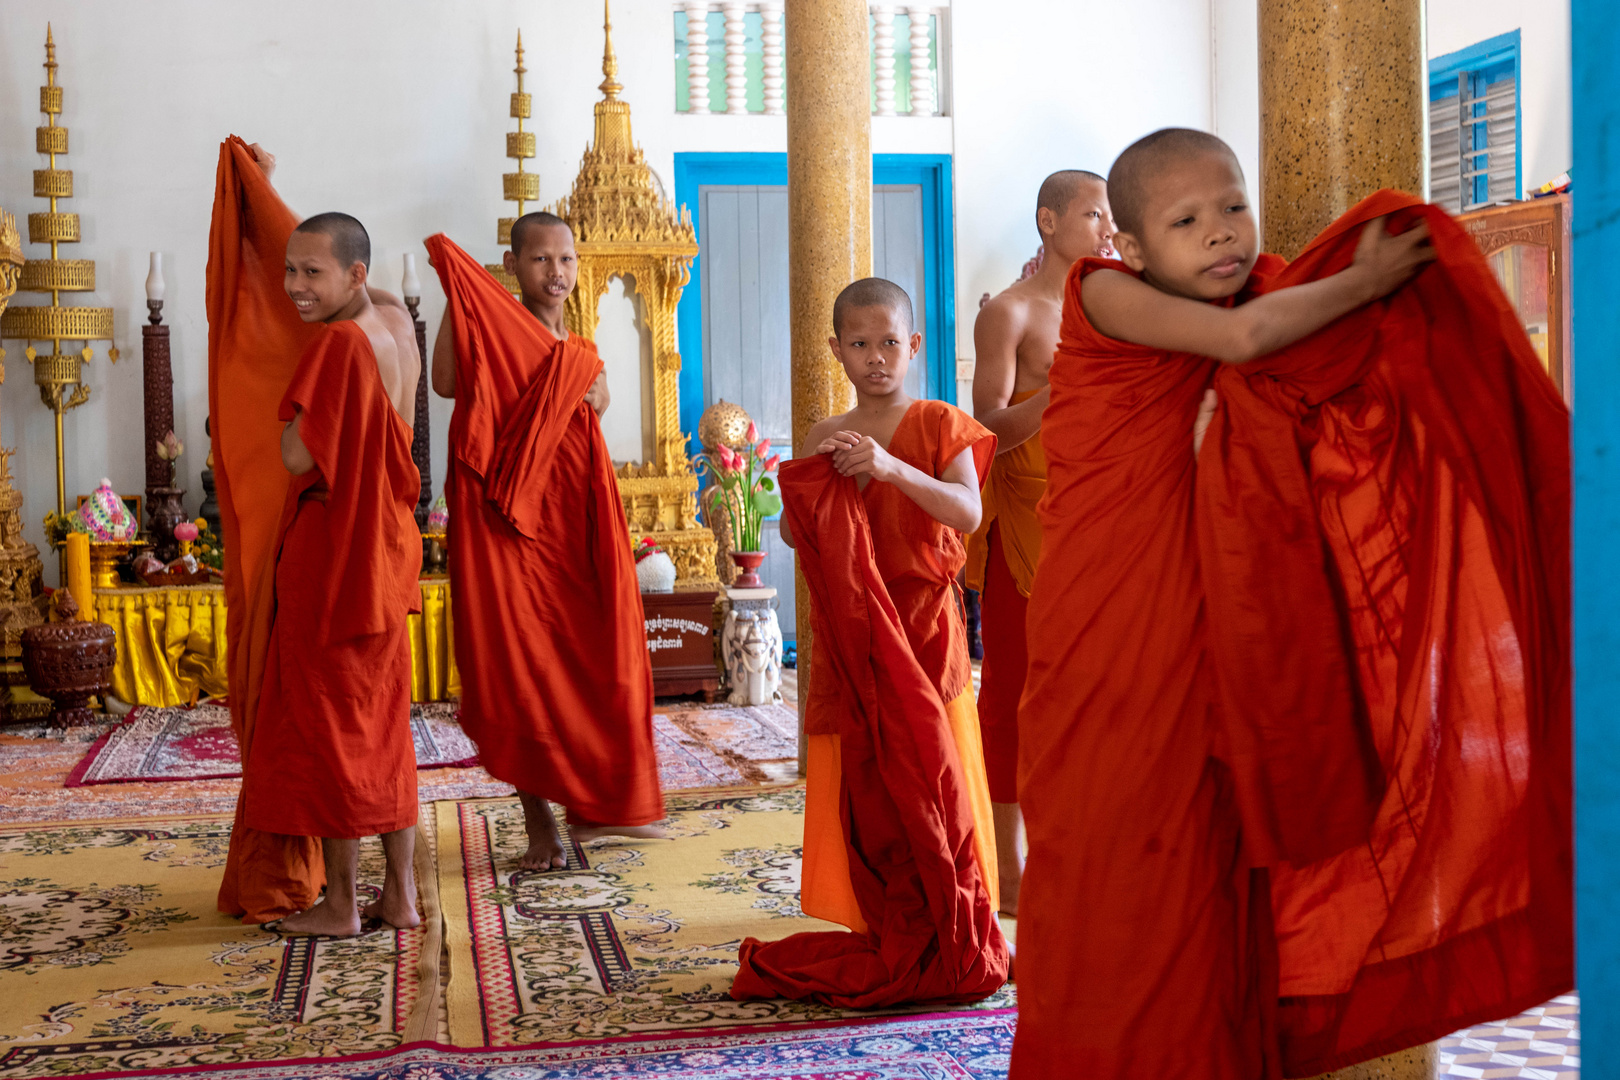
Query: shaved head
[
  {"x": 1059, "y": 189},
  {"x": 521, "y": 227},
  {"x": 350, "y": 242},
  {"x": 871, "y": 292},
  {"x": 1132, "y": 177}
]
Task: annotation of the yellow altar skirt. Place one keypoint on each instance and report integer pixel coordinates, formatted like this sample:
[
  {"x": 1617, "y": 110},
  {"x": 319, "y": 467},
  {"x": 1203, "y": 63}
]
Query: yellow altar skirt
[{"x": 171, "y": 643}]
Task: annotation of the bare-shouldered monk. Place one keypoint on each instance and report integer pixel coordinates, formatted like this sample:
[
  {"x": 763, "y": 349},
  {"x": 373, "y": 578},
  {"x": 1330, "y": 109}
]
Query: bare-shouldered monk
[{"x": 1014, "y": 339}]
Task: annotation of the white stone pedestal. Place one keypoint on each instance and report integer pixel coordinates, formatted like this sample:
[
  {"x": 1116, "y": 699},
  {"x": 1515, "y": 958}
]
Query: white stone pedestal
[{"x": 751, "y": 647}]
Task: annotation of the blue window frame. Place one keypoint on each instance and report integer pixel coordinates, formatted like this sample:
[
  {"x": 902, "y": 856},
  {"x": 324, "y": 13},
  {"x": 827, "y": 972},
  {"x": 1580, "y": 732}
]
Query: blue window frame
[
  {"x": 1471, "y": 73},
  {"x": 931, "y": 171}
]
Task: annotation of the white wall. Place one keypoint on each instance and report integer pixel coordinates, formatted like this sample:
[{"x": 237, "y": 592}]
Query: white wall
[
  {"x": 1042, "y": 87},
  {"x": 1544, "y": 90}
]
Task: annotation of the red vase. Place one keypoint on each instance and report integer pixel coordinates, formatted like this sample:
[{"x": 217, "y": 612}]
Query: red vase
[{"x": 748, "y": 567}]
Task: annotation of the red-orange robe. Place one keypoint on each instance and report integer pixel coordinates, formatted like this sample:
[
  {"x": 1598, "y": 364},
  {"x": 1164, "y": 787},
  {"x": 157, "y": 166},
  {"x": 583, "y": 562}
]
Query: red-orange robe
[
  {"x": 1333, "y": 820},
  {"x": 331, "y": 755},
  {"x": 1001, "y": 557},
  {"x": 255, "y": 338},
  {"x": 550, "y": 637},
  {"x": 889, "y": 648}
]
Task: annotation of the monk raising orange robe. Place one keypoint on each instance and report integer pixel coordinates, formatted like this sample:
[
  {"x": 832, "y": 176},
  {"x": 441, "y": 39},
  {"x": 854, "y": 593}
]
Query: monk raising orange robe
[
  {"x": 1331, "y": 821},
  {"x": 898, "y": 842},
  {"x": 255, "y": 338},
  {"x": 550, "y": 638}
]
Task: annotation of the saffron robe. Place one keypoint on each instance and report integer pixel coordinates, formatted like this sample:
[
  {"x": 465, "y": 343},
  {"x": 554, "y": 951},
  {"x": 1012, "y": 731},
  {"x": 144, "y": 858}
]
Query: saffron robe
[
  {"x": 255, "y": 339},
  {"x": 898, "y": 766},
  {"x": 1001, "y": 557},
  {"x": 331, "y": 754},
  {"x": 550, "y": 636},
  {"x": 1336, "y": 816}
]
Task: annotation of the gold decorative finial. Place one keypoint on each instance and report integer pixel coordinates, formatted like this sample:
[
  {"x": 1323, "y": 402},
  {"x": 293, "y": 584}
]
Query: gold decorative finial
[
  {"x": 520, "y": 187},
  {"x": 610, "y": 64}
]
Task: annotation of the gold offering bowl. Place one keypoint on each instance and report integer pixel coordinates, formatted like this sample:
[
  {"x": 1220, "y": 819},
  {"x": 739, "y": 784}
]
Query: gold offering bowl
[
  {"x": 104, "y": 559},
  {"x": 440, "y": 538}
]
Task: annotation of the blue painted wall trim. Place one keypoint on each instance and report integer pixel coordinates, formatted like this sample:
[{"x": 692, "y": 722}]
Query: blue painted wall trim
[
  {"x": 932, "y": 171},
  {"x": 1595, "y": 34},
  {"x": 1501, "y": 49}
]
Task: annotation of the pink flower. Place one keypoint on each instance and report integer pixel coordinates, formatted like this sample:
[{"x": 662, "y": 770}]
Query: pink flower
[
  {"x": 753, "y": 432},
  {"x": 762, "y": 449},
  {"x": 185, "y": 531},
  {"x": 773, "y": 462},
  {"x": 728, "y": 460}
]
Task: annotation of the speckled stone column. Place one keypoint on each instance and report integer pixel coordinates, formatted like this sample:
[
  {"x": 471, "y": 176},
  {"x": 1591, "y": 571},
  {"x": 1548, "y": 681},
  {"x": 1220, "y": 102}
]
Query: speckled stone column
[
  {"x": 1419, "y": 1062},
  {"x": 829, "y": 129},
  {"x": 1342, "y": 109}
]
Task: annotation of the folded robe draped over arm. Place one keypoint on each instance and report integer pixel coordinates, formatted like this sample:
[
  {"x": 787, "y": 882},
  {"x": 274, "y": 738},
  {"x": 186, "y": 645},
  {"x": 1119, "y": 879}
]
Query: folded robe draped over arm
[
  {"x": 1300, "y": 737},
  {"x": 1383, "y": 512},
  {"x": 255, "y": 339},
  {"x": 550, "y": 637},
  {"x": 932, "y": 931}
]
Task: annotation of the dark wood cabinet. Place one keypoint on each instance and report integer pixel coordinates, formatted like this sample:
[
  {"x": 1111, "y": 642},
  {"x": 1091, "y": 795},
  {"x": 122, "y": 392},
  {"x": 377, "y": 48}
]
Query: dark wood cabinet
[
  {"x": 1527, "y": 245},
  {"x": 680, "y": 637}
]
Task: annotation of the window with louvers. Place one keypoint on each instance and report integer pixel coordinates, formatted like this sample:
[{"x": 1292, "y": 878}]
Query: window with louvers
[{"x": 1474, "y": 133}]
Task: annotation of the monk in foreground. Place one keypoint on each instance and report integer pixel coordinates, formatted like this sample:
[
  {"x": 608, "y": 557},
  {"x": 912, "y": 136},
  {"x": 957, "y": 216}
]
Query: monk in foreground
[
  {"x": 550, "y": 636},
  {"x": 898, "y": 843},
  {"x": 1014, "y": 338},
  {"x": 1330, "y": 820}
]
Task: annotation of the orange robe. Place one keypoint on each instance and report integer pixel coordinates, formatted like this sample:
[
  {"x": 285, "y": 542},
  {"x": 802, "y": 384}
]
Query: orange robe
[
  {"x": 915, "y": 859},
  {"x": 1001, "y": 557},
  {"x": 255, "y": 338},
  {"x": 550, "y": 636},
  {"x": 331, "y": 755},
  {"x": 1333, "y": 820}
]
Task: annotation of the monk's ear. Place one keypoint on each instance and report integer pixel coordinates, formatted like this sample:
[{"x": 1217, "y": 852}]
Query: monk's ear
[
  {"x": 837, "y": 349},
  {"x": 1045, "y": 221},
  {"x": 358, "y": 275},
  {"x": 916, "y": 343},
  {"x": 509, "y": 261},
  {"x": 1130, "y": 251}
]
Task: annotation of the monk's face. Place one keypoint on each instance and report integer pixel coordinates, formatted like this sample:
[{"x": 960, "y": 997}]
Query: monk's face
[
  {"x": 1084, "y": 228},
  {"x": 1197, "y": 236},
  {"x": 318, "y": 284},
  {"x": 547, "y": 266},
  {"x": 876, "y": 345}
]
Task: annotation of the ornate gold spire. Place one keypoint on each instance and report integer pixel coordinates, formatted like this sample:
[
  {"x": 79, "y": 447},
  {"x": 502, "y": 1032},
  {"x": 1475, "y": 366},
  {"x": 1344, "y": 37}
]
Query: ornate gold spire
[
  {"x": 519, "y": 187},
  {"x": 610, "y": 64},
  {"x": 58, "y": 374},
  {"x": 21, "y": 590}
]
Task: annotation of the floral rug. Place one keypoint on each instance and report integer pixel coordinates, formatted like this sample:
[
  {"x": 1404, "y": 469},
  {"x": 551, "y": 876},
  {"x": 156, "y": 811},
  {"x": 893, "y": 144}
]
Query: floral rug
[
  {"x": 950, "y": 1046},
  {"x": 114, "y": 958},
  {"x": 198, "y": 744},
  {"x": 633, "y": 937}
]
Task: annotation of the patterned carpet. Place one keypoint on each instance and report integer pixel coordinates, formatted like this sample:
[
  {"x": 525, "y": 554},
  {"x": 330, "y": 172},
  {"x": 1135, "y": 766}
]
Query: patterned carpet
[
  {"x": 955, "y": 1046},
  {"x": 115, "y": 958},
  {"x": 1542, "y": 1044},
  {"x": 633, "y": 937}
]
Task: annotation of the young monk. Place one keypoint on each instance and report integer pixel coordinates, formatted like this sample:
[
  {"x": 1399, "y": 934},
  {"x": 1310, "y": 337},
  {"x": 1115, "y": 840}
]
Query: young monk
[
  {"x": 1014, "y": 338},
  {"x": 549, "y": 630},
  {"x": 331, "y": 753},
  {"x": 898, "y": 844},
  {"x": 1332, "y": 822}
]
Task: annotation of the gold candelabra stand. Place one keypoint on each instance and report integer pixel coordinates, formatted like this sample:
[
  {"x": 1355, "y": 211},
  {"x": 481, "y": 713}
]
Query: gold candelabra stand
[
  {"x": 519, "y": 187},
  {"x": 58, "y": 374}
]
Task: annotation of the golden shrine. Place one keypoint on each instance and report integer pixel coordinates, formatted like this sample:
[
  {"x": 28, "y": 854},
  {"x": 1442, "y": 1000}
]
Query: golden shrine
[
  {"x": 59, "y": 374},
  {"x": 22, "y": 598},
  {"x": 625, "y": 227}
]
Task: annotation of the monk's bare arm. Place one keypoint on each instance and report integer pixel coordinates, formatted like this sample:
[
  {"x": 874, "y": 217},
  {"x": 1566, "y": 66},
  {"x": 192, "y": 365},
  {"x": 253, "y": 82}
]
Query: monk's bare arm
[
  {"x": 444, "y": 358},
  {"x": 996, "y": 334},
  {"x": 294, "y": 454},
  {"x": 1130, "y": 310},
  {"x": 952, "y": 500},
  {"x": 597, "y": 397}
]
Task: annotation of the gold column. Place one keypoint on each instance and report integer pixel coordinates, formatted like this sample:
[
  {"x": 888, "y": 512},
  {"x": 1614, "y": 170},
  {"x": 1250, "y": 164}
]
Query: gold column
[
  {"x": 1342, "y": 110},
  {"x": 829, "y": 130}
]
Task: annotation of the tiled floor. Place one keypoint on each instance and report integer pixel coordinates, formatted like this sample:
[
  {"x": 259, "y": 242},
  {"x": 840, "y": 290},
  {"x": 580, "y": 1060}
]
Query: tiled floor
[{"x": 1542, "y": 1044}]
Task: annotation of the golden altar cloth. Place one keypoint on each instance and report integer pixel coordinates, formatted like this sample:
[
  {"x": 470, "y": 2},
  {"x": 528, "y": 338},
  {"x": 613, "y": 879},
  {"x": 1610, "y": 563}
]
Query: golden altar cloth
[{"x": 171, "y": 643}]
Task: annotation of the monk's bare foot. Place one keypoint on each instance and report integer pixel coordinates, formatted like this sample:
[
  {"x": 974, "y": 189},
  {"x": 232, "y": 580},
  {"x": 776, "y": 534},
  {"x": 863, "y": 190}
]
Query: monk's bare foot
[
  {"x": 394, "y": 909},
  {"x": 321, "y": 920},
  {"x": 545, "y": 842},
  {"x": 584, "y": 834}
]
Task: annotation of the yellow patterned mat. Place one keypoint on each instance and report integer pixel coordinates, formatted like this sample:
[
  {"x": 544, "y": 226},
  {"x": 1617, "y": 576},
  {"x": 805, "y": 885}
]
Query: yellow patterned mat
[
  {"x": 113, "y": 957},
  {"x": 633, "y": 936}
]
